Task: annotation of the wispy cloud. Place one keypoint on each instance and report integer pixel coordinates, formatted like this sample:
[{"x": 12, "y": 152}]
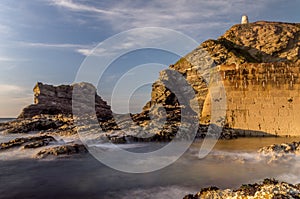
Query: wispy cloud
[
  {"x": 52, "y": 45},
  {"x": 4, "y": 29},
  {"x": 6, "y": 59},
  {"x": 69, "y": 4},
  {"x": 84, "y": 51},
  {"x": 189, "y": 16},
  {"x": 79, "y": 48}
]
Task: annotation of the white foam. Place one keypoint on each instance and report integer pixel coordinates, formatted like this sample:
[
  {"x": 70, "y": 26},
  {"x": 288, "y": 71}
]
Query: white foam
[{"x": 168, "y": 192}]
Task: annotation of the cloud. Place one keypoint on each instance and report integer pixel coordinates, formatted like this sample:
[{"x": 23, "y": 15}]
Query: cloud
[
  {"x": 188, "y": 16},
  {"x": 79, "y": 48},
  {"x": 8, "y": 88},
  {"x": 52, "y": 45},
  {"x": 70, "y": 5},
  {"x": 6, "y": 59},
  {"x": 84, "y": 51},
  {"x": 5, "y": 29}
]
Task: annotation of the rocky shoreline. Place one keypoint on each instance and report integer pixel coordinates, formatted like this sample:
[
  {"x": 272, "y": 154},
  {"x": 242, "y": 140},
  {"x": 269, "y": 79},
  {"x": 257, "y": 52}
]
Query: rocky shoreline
[
  {"x": 50, "y": 127},
  {"x": 268, "y": 189}
]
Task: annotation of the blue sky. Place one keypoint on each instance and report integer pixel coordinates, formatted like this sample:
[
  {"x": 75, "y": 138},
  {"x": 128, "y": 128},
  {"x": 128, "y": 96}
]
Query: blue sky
[{"x": 47, "y": 40}]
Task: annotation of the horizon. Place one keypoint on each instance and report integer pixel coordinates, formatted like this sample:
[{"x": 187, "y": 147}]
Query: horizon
[{"x": 46, "y": 41}]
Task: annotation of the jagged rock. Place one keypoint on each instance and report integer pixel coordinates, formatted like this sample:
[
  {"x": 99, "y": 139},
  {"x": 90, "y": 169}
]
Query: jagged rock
[
  {"x": 54, "y": 100},
  {"x": 40, "y": 123},
  {"x": 28, "y": 142},
  {"x": 67, "y": 149},
  {"x": 269, "y": 188},
  {"x": 241, "y": 51},
  {"x": 293, "y": 147},
  {"x": 276, "y": 152}
]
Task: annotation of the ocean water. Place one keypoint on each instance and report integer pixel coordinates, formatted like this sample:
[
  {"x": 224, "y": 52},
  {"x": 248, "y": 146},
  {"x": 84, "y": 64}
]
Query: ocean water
[
  {"x": 230, "y": 164},
  {"x": 6, "y": 119}
]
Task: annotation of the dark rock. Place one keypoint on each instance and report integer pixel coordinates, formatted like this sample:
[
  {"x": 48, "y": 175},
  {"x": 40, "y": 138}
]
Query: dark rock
[
  {"x": 40, "y": 123},
  {"x": 190, "y": 196},
  {"x": 67, "y": 149},
  {"x": 269, "y": 188},
  {"x": 249, "y": 189},
  {"x": 28, "y": 142}
]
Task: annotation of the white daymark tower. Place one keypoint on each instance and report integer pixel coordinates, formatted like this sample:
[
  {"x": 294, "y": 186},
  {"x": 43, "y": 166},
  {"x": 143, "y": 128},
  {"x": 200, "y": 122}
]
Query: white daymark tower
[{"x": 244, "y": 19}]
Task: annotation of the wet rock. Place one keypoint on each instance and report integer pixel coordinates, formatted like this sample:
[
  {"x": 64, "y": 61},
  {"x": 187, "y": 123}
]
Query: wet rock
[
  {"x": 67, "y": 149},
  {"x": 41, "y": 123},
  {"x": 269, "y": 188},
  {"x": 28, "y": 142},
  {"x": 284, "y": 151}
]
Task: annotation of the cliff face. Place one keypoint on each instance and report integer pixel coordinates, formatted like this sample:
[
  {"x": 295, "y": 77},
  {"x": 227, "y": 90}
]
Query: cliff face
[
  {"x": 258, "y": 65},
  {"x": 54, "y": 100}
]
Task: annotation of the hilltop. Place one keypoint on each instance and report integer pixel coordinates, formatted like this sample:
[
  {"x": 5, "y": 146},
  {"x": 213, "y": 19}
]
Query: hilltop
[{"x": 259, "y": 42}]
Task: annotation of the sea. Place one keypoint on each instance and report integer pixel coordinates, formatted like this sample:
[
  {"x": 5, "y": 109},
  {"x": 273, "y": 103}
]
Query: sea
[
  {"x": 230, "y": 164},
  {"x": 2, "y": 120}
]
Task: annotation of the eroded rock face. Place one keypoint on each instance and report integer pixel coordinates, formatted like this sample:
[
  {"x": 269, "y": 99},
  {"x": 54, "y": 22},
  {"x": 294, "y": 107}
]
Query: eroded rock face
[
  {"x": 249, "y": 50},
  {"x": 269, "y": 188},
  {"x": 54, "y": 100},
  {"x": 241, "y": 50}
]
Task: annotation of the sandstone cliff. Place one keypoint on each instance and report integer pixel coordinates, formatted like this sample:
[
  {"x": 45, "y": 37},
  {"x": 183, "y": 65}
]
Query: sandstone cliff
[{"x": 254, "y": 61}]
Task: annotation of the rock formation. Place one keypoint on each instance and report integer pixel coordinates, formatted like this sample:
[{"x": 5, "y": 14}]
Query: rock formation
[
  {"x": 67, "y": 149},
  {"x": 280, "y": 152},
  {"x": 269, "y": 188},
  {"x": 258, "y": 66},
  {"x": 259, "y": 42},
  {"x": 54, "y": 100},
  {"x": 28, "y": 142}
]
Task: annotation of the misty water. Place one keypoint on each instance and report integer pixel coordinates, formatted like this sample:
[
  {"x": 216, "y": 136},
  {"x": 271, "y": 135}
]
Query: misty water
[{"x": 230, "y": 164}]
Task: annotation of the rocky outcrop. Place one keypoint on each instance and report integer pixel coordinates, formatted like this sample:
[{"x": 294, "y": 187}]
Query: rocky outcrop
[
  {"x": 59, "y": 124},
  {"x": 280, "y": 152},
  {"x": 63, "y": 150},
  {"x": 44, "y": 142},
  {"x": 54, "y": 100},
  {"x": 285, "y": 148},
  {"x": 254, "y": 62},
  {"x": 247, "y": 60},
  {"x": 269, "y": 188},
  {"x": 28, "y": 142},
  {"x": 259, "y": 42}
]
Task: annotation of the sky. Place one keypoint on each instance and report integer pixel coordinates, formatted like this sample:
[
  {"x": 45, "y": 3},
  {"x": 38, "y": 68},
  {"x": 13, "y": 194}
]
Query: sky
[{"x": 47, "y": 40}]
